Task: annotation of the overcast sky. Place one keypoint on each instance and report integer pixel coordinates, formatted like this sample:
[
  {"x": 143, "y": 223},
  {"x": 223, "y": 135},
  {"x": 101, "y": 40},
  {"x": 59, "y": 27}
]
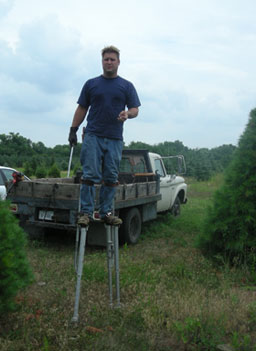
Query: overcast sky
[{"x": 193, "y": 64}]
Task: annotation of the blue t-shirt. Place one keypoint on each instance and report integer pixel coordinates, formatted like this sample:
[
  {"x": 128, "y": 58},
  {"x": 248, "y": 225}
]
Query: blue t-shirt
[{"x": 106, "y": 98}]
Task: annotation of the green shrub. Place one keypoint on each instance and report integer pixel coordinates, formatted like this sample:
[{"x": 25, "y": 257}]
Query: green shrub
[
  {"x": 54, "y": 171},
  {"x": 15, "y": 272},
  {"x": 206, "y": 334},
  {"x": 203, "y": 173},
  {"x": 77, "y": 167},
  {"x": 230, "y": 226},
  {"x": 41, "y": 172},
  {"x": 28, "y": 169}
]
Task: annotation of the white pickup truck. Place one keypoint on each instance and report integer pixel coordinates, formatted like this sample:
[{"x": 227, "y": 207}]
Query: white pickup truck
[{"x": 145, "y": 189}]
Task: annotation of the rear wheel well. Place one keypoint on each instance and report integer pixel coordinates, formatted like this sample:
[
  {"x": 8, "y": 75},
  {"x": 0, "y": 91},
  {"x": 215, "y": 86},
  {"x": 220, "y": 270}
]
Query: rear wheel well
[{"x": 130, "y": 229}]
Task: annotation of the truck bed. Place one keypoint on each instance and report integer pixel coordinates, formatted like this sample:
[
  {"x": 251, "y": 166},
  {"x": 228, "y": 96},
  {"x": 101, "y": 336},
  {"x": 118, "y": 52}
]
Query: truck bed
[
  {"x": 53, "y": 203},
  {"x": 34, "y": 200},
  {"x": 52, "y": 190}
]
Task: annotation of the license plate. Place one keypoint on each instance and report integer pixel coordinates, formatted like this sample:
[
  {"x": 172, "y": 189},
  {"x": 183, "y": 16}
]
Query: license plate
[{"x": 46, "y": 215}]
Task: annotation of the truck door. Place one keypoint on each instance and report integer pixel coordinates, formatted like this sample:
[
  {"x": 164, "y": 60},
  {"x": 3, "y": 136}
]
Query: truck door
[{"x": 165, "y": 186}]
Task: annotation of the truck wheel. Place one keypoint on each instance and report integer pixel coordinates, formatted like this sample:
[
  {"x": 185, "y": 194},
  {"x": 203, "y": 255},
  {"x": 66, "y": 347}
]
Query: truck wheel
[
  {"x": 131, "y": 227},
  {"x": 176, "y": 207}
]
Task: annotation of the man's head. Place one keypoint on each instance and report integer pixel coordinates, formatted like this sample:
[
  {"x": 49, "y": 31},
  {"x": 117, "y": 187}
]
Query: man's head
[
  {"x": 110, "y": 61},
  {"x": 111, "y": 49}
]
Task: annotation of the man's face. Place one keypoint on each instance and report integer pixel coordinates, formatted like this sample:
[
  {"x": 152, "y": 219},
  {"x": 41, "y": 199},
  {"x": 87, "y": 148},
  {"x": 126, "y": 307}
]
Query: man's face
[{"x": 110, "y": 63}]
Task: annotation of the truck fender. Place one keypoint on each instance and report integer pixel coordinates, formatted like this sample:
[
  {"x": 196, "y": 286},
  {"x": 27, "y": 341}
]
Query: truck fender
[{"x": 179, "y": 193}]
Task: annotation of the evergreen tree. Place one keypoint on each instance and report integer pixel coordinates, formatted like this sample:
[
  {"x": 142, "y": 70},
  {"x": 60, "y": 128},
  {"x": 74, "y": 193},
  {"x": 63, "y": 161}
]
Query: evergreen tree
[
  {"x": 41, "y": 172},
  {"x": 28, "y": 170},
  {"x": 231, "y": 223},
  {"x": 54, "y": 171},
  {"x": 202, "y": 168},
  {"x": 15, "y": 272},
  {"x": 77, "y": 167}
]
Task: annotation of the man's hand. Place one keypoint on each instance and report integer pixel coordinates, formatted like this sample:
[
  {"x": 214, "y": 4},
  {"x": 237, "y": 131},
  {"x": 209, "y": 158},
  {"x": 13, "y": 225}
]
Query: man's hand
[
  {"x": 123, "y": 116},
  {"x": 72, "y": 136},
  {"x": 130, "y": 113}
]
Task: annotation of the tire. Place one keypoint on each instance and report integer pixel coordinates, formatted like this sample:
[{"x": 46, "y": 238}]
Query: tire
[
  {"x": 176, "y": 207},
  {"x": 131, "y": 227}
]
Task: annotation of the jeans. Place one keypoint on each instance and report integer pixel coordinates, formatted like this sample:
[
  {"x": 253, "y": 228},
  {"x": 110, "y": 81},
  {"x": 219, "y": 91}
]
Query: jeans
[{"x": 100, "y": 158}]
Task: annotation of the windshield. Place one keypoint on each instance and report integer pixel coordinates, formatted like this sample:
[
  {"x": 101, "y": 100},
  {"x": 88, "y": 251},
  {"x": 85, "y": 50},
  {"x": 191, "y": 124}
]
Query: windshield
[{"x": 159, "y": 168}]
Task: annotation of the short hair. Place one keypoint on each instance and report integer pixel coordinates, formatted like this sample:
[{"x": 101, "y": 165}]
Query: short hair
[{"x": 110, "y": 49}]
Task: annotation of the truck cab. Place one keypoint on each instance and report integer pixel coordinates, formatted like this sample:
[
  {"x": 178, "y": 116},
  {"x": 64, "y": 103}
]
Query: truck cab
[{"x": 173, "y": 188}]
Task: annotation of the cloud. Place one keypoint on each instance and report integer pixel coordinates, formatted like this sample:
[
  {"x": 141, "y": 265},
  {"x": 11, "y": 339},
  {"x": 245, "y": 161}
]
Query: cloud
[
  {"x": 47, "y": 56},
  {"x": 47, "y": 66},
  {"x": 193, "y": 66},
  {"x": 5, "y": 7}
]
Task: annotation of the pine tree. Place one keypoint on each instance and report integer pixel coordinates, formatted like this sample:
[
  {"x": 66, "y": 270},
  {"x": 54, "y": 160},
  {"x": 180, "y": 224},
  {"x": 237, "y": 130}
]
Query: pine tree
[
  {"x": 41, "y": 172},
  {"x": 28, "y": 170},
  {"x": 15, "y": 272},
  {"x": 54, "y": 171},
  {"x": 230, "y": 227}
]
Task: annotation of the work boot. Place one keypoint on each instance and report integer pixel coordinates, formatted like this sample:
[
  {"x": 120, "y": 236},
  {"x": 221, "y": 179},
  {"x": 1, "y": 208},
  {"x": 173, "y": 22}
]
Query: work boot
[
  {"x": 110, "y": 219},
  {"x": 83, "y": 220}
]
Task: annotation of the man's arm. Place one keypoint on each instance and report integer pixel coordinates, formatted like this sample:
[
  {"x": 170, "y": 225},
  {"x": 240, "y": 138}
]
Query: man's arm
[
  {"x": 133, "y": 112},
  {"x": 130, "y": 113},
  {"x": 79, "y": 116}
]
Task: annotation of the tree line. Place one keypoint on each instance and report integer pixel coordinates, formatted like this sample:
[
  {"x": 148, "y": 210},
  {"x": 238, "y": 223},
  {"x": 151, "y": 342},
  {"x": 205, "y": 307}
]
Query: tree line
[{"x": 38, "y": 160}]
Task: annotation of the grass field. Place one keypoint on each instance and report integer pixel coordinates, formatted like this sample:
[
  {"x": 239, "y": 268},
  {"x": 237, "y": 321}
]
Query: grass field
[{"x": 172, "y": 297}]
